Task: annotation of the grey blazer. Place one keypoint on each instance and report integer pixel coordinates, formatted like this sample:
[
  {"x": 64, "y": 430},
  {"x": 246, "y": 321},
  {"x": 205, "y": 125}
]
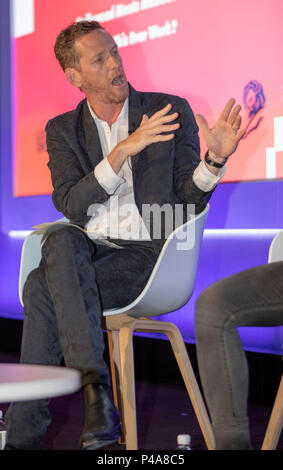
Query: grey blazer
[{"x": 162, "y": 172}]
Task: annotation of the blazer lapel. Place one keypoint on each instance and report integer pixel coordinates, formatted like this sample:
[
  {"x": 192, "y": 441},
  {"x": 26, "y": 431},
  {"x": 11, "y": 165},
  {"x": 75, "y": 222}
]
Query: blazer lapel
[
  {"x": 135, "y": 116},
  {"x": 91, "y": 137}
]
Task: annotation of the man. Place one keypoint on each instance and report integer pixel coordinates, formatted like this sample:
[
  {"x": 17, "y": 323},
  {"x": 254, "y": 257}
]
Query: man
[
  {"x": 253, "y": 297},
  {"x": 141, "y": 148}
]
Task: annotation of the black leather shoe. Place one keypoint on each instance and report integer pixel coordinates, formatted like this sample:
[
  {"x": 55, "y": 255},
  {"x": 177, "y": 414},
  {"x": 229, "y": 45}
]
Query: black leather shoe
[
  {"x": 34, "y": 446},
  {"x": 102, "y": 421},
  {"x": 8, "y": 447}
]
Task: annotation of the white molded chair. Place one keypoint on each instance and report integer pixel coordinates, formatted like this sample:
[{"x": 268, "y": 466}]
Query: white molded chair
[
  {"x": 169, "y": 287},
  {"x": 276, "y": 248},
  {"x": 275, "y": 423}
]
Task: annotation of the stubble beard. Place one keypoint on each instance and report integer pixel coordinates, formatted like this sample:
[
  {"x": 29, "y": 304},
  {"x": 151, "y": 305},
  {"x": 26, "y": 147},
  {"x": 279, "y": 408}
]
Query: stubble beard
[{"x": 107, "y": 96}]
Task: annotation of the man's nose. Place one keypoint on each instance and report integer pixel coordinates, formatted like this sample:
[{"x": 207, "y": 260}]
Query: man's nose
[{"x": 114, "y": 61}]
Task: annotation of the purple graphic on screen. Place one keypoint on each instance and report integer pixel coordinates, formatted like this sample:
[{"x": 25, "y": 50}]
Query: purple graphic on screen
[{"x": 254, "y": 101}]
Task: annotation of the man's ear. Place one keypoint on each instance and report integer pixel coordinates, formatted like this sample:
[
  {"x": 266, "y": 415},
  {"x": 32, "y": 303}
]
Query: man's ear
[{"x": 74, "y": 77}]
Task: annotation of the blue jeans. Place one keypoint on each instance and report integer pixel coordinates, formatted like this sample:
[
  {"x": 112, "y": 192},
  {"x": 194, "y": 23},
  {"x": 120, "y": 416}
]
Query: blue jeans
[{"x": 250, "y": 298}]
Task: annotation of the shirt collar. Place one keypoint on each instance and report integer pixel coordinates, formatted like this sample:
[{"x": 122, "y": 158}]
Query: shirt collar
[{"x": 123, "y": 114}]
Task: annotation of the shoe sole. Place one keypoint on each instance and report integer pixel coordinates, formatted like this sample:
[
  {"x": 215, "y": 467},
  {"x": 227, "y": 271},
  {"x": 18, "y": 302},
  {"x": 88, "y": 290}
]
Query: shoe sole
[{"x": 95, "y": 444}]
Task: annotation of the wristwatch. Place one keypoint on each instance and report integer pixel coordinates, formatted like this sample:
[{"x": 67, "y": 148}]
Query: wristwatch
[{"x": 212, "y": 162}]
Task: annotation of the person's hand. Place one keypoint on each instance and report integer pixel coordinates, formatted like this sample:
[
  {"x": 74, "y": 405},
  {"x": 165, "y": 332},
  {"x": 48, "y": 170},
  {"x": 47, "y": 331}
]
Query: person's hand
[
  {"x": 150, "y": 131},
  {"x": 223, "y": 138}
]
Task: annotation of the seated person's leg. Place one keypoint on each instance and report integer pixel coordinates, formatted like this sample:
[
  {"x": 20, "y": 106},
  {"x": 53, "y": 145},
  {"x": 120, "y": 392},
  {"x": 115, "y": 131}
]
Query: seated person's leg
[
  {"x": 63, "y": 307},
  {"x": 249, "y": 298}
]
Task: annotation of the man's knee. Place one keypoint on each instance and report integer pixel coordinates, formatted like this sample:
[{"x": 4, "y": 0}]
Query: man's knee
[
  {"x": 62, "y": 240},
  {"x": 34, "y": 284},
  {"x": 62, "y": 234}
]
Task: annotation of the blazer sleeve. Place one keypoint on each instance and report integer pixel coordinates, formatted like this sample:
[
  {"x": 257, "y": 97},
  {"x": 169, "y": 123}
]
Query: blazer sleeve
[
  {"x": 187, "y": 158},
  {"x": 75, "y": 189}
]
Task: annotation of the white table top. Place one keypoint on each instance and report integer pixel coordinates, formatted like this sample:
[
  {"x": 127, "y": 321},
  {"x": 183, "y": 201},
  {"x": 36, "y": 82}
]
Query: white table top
[{"x": 19, "y": 382}]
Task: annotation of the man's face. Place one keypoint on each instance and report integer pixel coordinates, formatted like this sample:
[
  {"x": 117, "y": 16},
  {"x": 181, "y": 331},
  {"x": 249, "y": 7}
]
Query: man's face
[{"x": 101, "y": 70}]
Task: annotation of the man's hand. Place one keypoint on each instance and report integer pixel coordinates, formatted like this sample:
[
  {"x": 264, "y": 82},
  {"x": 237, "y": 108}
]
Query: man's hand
[
  {"x": 150, "y": 131},
  {"x": 223, "y": 138}
]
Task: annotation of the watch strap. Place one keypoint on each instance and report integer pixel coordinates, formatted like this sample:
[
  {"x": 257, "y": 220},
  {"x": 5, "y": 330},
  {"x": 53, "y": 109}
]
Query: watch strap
[{"x": 212, "y": 162}]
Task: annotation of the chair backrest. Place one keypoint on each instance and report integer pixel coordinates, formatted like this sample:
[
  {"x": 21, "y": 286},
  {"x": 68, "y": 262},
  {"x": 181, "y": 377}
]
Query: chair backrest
[
  {"x": 276, "y": 248},
  {"x": 172, "y": 280},
  {"x": 31, "y": 256},
  {"x": 30, "y": 259}
]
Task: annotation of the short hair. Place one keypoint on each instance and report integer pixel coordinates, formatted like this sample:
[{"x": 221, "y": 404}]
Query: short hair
[{"x": 64, "y": 49}]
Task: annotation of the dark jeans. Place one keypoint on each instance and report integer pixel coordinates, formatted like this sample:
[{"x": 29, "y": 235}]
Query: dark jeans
[
  {"x": 250, "y": 298},
  {"x": 63, "y": 302}
]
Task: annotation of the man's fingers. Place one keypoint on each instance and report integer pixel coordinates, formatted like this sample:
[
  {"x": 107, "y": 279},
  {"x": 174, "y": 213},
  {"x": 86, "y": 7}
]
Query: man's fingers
[
  {"x": 162, "y": 111},
  {"x": 162, "y": 137},
  {"x": 163, "y": 115},
  {"x": 241, "y": 134},
  {"x": 160, "y": 117},
  {"x": 237, "y": 123},
  {"x": 236, "y": 126},
  {"x": 168, "y": 118},
  {"x": 144, "y": 118},
  {"x": 202, "y": 122},
  {"x": 154, "y": 125},
  {"x": 227, "y": 110},
  {"x": 234, "y": 115},
  {"x": 163, "y": 119},
  {"x": 165, "y": 128}
]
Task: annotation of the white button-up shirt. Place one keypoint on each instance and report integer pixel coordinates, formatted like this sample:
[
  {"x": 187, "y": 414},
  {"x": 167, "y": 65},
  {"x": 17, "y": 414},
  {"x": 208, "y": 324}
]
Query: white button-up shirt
[{"x": 119, "y": 217}]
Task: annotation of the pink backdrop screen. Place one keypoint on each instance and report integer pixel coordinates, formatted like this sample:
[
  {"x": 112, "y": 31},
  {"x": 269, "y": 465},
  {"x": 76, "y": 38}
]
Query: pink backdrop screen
[{"x": 204, "y": 51}]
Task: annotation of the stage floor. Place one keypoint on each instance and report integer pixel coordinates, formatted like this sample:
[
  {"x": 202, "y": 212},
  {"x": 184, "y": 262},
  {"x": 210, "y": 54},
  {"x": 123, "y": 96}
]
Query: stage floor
[{"x": 163, "y": 412}]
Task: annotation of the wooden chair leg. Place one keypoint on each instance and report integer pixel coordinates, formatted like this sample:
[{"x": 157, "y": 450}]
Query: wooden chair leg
[
  {"x": 128, "y": 388},
  {"x": 115, "y": 368},
  {"x": 275, "y": 424},
  {"x": 182, "y": 358},
  {"x": 124, "y": 326},
  {"x": 192, "y": 387},
  {"x": 120, "y": 337}
]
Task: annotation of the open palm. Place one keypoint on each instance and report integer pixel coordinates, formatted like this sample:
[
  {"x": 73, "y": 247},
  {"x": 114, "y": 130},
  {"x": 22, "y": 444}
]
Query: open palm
[{"x": 223, "y": 138}]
